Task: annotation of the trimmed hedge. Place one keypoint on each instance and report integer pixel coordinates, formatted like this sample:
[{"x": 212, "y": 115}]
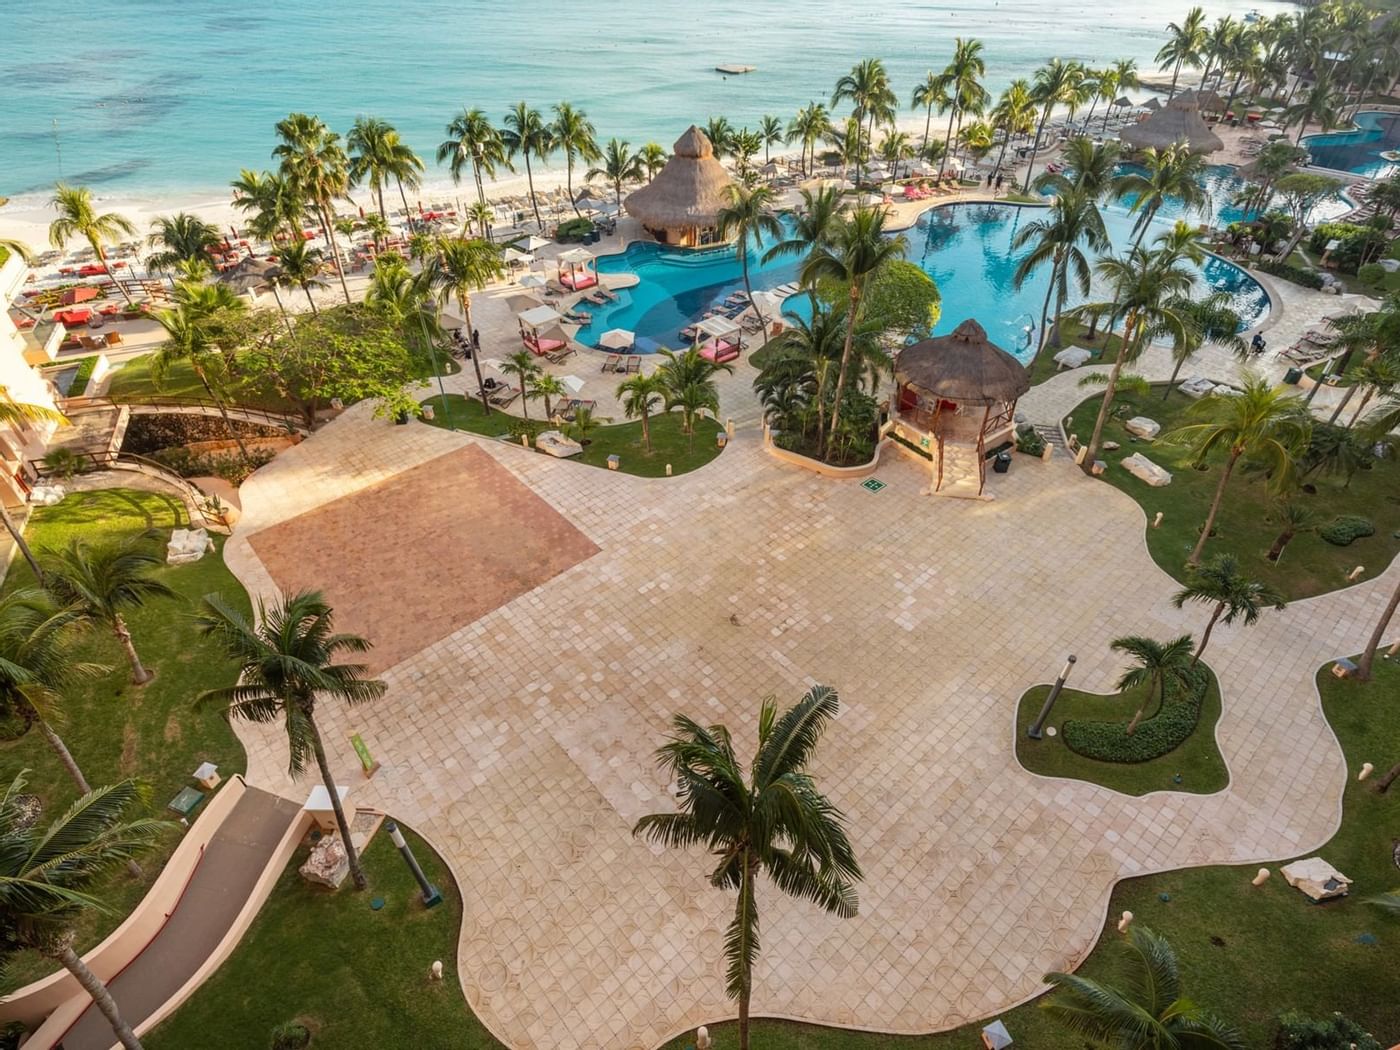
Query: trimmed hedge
[
  {"x": 1154, "y": 737},
  {"x": 1345, "y": 529},
  {"x": 1296, "y": 274},
  {"x": 1299, "y": 1032}
]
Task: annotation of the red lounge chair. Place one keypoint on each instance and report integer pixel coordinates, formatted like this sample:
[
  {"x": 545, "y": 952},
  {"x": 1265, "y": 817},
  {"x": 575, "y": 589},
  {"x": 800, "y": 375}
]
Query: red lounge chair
[
  {"x": 577, "y": 282},
  {"x": 73, "y": 318},
  {"x": 545, "y": 346},
  {"x": 719, "y": 351}
]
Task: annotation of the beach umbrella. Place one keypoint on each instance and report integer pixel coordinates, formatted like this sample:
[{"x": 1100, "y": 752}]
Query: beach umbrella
[
  {"x": 533, "y": 280},
  {"x": 515, "y": 255},
  {"x": 617, "y": 339},
  {"x": 1153, "y": 104},
  {"x": 1122, "y": 100},
  {"x": 533, "y": 243},
  {"x": 574, "y": 383}
]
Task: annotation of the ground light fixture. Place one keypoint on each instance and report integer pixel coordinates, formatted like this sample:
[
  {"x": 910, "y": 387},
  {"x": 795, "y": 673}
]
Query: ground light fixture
[
  {"x": 431, "y": 897},
  {"x": 1036, "y": 727}
]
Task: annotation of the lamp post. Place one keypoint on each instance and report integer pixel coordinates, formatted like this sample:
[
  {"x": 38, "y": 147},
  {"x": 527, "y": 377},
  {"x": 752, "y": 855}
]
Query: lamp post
[
  {"x": 431, "y": 896},
  {"x": 1034, "y": 732}
]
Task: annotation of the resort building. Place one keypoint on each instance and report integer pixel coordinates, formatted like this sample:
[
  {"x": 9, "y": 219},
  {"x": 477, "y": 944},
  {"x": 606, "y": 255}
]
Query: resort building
[
  {"x": 24, "y": 346},
  {"x": 681, "y": 205}
]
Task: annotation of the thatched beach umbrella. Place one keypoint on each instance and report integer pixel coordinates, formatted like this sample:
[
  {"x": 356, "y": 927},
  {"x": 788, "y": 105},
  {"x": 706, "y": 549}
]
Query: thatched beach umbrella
[
  {"x": 1179, "y": 121},
  {"x": 1152, "y": 104},
  {"x": 687, "y": 195},
  {"x": 1122, "y": 100},
  {"x": 1209, "y": 102},
  {"x": 963, "y": 366}
]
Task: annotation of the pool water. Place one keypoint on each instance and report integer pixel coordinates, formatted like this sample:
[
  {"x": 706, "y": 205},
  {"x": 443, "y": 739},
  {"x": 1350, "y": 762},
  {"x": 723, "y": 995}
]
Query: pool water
[{"x": 1359, "y": 150}]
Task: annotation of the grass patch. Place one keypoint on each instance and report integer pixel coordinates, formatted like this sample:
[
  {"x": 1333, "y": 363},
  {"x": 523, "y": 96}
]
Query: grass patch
[
  {"x": 1197, "y": 761},
  {"x": 669, "y": 443},
  {"x": 115, "y": 731},
  {"x": 1104, "y": 347},
  {"x": 356, "y": 977},
  {"x": 1309, "y": 565},
  {"x": 82, "y": 376}
]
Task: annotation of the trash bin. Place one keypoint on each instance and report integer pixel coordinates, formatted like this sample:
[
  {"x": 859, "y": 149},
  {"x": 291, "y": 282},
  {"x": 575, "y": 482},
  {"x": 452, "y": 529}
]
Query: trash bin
[
  {"x": 1002, "y": 463},
  {"x": 1292, "y": 376}
]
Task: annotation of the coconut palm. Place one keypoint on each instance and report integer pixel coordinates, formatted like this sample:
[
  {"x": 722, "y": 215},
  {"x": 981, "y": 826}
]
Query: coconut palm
[
  {"x": 770, "y": 132},
  {"x": 575, "y": 137},
  {"x": 689, "y": 382},
  {"x": 472, "y": 140},
  {"x": 1185, "y": 45},
  {"x": 10, "y": 244},
  {"x": 377, "y": 154},
  {"x": 618, "y": 164},
  {"x": 1054, "y": 84},
  {"x": 480, "y": 213},
  {"x": 640, "y": 395},
  {"x": 856, "y": 252},
  {"x": 1375, "y": 375},
  {"x": 190, "y": 336},
  {"x": 1261, "y": 422},
  {"x": 78, "y": 217},
  {"x": 182, "y": 237},
  {"x": 315, "y": 164},
  {"x": 48, "y": 875},
  {"x": 1368, "y": 655},
  {"x": 1173, "y": 172},
  {"x": 802, "y": 362},
  {"x": 526, "y": 134},
  {"x": 1160, "y": 666},
  {"x": 522, "y": 365},
  {"x": 300, "y": 265},
  {"x": 459, "y": 268},
  {"x": 721, "y": 135},
  {"x": 1014, "y": 114},
  {"x": 545, "y": 386},
  {"x": 652, "y": 158},
  {"x": 101, "y": 581},
  {"x": 1292, "y": 518},
  {"x": 811, "y": 224},
  {"x": 1321, "y": 105},
  {"x": 1230, "y": 594},
  {"x": 867, "y": 88},
  {"x": 1210, "y": 318},
  {"x": 747, "y": 218},
  {"x": 272, "y": 204},
  {"x": 1122, "y": 77},
  {"x": 977, "y": 140},
  {"x": 811, "y": 126},
  {"x": 930, "y": 92},
  {"x": 287, "y": 660},
  {"x": 1217, "y": 48},
  {"x": 895, "y": 148},
  {"x": 1072, "y": 224},
  {"x": 773, "y": 821},
  {"x": 1148, "y": 1013},
  {"x": 746, "y": 146},
  {"x": 962, "y": 83}
]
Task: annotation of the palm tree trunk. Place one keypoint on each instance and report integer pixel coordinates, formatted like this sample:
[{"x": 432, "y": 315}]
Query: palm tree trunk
[
  {"x": 306, "y": 287},
  {"x": 845, "y": 363},
  {"x": 1044, "y": 313},
  {"x": 102, "y": 258},
  {"x": 100, "y": 996},
  {"x": 746, "y": 919},
  {"x": 530, "y": 181},
  {"x": 948, "y": 142},
  {"x": 1365, "y": 399},
  {"x": 335, "y": 251},
  {"x": 928, "y": 123},
  {"x": 218, "y": 401},
  {"x": 139, "y": 674},
  {"x": 1133, "y": 724},
  {"x": 356, "y": 872},
  {"x": 1035, "y": 147},
  {"x": 379, "y": 191},
  {"x": 403, "y": 197},
  {"x": 1383, "y": 784},
  {"x": 1175, "y": 73},
  {"x": 1109, "y": 391},
  {"x": 281, "y": 307},
  {"x": 748, "y": 290},
  {"x": 646, "y": 429},
  {"x": 1176, "y": 371},
  {"x": 1205, "y": 637},
  {"x": 1342, "y": 404},
  {"x": 65, "y": 757},
  {"x": 1283, "y": 540},
  {"x": 465, "y": 302},
  {"x": 21, "y": 543},
  {"x": 1363, "y": 669},
  {"x": 1195, "y": 558}
]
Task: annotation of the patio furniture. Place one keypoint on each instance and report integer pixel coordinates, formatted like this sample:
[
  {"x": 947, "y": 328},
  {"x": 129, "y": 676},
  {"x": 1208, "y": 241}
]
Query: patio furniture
[
  {"x": 634, "y": 363},
  {"x": 612, "y": 363}
]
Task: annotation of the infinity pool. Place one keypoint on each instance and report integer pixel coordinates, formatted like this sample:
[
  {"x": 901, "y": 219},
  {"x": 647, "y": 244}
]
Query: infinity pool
[{"x": 1359, "y": 150}]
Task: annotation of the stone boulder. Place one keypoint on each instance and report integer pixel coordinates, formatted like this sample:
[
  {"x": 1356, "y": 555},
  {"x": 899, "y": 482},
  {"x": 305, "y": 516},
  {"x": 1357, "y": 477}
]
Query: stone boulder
[
  {"x": 1141, "y": 426},
  {"x": 328, "y": 864},
  {"x": 1072, "y": 357},
  {"x": 187, "y": 545},
  {"x": 1196, "y": 387},
  {"x": 1142, "y": 468},
  {"x": 1316, "y": 878}
]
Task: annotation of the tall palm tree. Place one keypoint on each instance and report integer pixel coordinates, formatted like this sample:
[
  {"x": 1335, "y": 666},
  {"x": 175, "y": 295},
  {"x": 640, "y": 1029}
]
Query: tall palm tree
[
  {"x": 1173, "y": 172},
  {"x": 1320, "y": 105},
  {"x": 857, "y": 251},
  {"x": 101, "y": 581},
  {"x": 1160, "y": 666},
  {"x": 37, "y": 666},
  {"x": 1230, "y": 594},
  {"x": 78, "y": 217},
  {"x": 811, "y": 125},
  {"x": 189, "y": 337},
  {"x": 480, "y": 213},
  {"x": 640, "y": 395},
  {"x": 459, "y": 268},
  {"x": 1148, "y": 1013},
  {"x": 471, "y": 139},
  {"x": 182, "y": 237},
  {"x": 575, "y": 137},
  {"x": 930, "y": 92},
  {"x": 619, "y": 165},
  {"x": 774, "y": 820},
  {"x": 299, "y": 264},
  {"x": 1072, "y": 224},
  {"x": 1185, "y": 43},
  {"x": 522, "y": 365},
  {"x": 805, "y": 355},
  {"x": 867, "y": 88},
  {"x": 48, "y": 875},
  {"x": 962, "y": 81},
  {"x": 813, "y": 223},
  {"x": 1218, "y": 44},
  {"x": 1054, "y": 84},
  {"x": 1261, "y": 422},
  {"x": 770, "y": 132},
  {"x": 526, "y": 134},
  {"x": 377, "y": 154},
  {"x": 652, "y": 158},
  {"x": 1209, "y": 318},
  {"x": 895, "y": 148},
  {"x": 747, "y": 218},
  {"x": 689, "y": 382},
  {"x": 1014, "y": 114},
  {"x": 1122, "y": 77},
  {"x": 273, "y": 206},
  {"x": 287, "y": 660},
  {"x": 721, "y": 135},
  {"x": 314, "y": 162},
  {"x": 1368, "y": 655}
]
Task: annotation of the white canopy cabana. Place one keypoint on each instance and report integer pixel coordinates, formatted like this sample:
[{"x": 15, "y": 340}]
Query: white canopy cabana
[
  {"x": 717, "y": 327},
  {"x": 577, "y": 269},
  {"x": 538, "y": 316},
  {"x": 576, "y": 255}
]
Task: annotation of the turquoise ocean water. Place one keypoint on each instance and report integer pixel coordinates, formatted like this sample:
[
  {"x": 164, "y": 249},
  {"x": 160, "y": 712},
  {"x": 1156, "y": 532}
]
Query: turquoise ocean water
[{"x": 148, "y": 96}]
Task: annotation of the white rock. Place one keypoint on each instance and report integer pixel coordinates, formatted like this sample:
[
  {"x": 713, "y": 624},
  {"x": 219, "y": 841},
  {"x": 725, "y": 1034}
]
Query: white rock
[
  {"x": 1143, "y": 427},
  {"x": 1390, "y": 265},
  {"x": 1072, "y": 357},
  {"x": 1196, "y": 387},
  {"x": 46, "y": 495},
  {"x": 1139, "y": 466},
  {"x": 187, "y": 545},
  {"x": 328, "y": 864},
  {"x": 1316, "y": 878}
]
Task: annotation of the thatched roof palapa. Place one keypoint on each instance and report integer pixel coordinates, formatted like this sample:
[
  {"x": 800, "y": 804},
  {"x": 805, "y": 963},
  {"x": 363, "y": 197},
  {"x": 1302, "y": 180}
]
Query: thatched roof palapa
[
  {"x": 963, "y": 366},
  {"x": 1179, "y": 120},
  {"x": 688, "y": 191}
]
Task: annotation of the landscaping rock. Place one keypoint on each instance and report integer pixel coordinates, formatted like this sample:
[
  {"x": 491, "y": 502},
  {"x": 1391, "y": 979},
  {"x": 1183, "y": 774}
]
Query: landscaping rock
[
  {"x": 46, "y": 495},
  {"x": 1390, "y": 265},
  {"x": 328, "y": 864},
  {"x": 1143, "y": 427},
  {"x": 1316, "y": 878},
  {"x": 187, "y": 545},
  {"x": 1111, "y": 446},
  {"x": 1196, "y": 387},
  {"x": 1072, "y": 357},
  {"x": 1139, "y": 466}
]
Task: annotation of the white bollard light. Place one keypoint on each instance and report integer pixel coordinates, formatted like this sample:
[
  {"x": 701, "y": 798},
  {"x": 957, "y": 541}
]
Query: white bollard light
[
  {"x": 1157, "y": 521},
  {"x": 702, "y": 1039},
  {"x": 437, "y": 970},
  {"x": 1261, "y": 878},
  {"x": 1355, "y": 574},
  {"x": 1366, "y": 770},
  {"x": 1125, "y": 922}
]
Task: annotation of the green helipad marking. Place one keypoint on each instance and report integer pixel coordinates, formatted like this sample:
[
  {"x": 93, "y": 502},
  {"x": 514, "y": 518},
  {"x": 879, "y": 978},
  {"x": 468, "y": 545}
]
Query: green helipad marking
[{"x": 873, "y": 484}]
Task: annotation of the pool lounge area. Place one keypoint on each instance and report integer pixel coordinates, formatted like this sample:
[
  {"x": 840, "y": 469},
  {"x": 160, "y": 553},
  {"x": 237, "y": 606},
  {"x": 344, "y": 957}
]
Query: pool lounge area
[{"x": 1360, "y": 150}]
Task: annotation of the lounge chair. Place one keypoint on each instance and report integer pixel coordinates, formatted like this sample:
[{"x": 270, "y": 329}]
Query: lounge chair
[
  {"x": 555, "y": 356},
  {"x": 612, "y": 362},
  {"x": 502, "y": 396},
  {"x": 1304, "y": 353},
  {"x": 634, "y": 363}
]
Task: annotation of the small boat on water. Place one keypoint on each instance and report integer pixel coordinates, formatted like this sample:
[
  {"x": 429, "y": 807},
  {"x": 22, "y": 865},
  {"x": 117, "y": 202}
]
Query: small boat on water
[
  {"x": 735, "y": 70},
  {"x": 1253, "y": 15}
]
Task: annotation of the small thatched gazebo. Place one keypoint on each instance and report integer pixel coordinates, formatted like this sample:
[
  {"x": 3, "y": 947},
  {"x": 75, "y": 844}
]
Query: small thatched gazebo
[
  {"x": 681, "y": 205},
  {"x": 1179, "y": 120},
  {"x": 955, "y": 402}
]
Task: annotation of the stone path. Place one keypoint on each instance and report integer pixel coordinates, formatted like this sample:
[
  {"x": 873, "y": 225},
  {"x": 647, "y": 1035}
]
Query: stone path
[{"x": 521, "y": 744}]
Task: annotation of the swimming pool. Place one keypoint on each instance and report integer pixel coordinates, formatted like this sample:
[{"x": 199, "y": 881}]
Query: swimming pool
[{"x": 1360, "y": 149}]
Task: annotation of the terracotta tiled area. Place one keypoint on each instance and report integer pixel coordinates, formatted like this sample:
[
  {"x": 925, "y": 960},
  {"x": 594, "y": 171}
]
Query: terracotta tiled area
[
  {"x": 522, "y": 744},
  {"x": 412, "y": 559}
]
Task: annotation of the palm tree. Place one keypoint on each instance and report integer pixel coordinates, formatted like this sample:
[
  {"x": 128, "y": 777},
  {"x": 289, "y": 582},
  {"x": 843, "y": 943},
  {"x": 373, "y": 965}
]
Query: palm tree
[
  {"x": 770, "y": 132},
  {"x": 1160, "y": 665},
  {"x": 1368, "y": 655},
  {"x": 11, "y": 244},
  {"x": 299, "y": 264},
  {"x": 472, "y": 139},
  {"x": 285, "y": 663},
  {"x": 182, "y": 237},
  {"x": 377, "y": 154},
  {"x": 689, "y": 382},
  {"x": 1056, "y": 83},
  {"x": 1149, "y": 1013},
  {"x": 1014, "y": 114},
  {"x": 78, "y": 217},
  {"x": 99, "y": 581},
  {"x": 272, "y": 203},
  {"x": 639, "y": 396},
  {"x": 527, "y": 134},
  {"x": 47, "y": 875},
  {"x": 812, "y": 222},
  {"x": 775, "y": 821},
  {"x": 521, "y": 364},
  {"x": 1173, "y": 172},
  {"x": 721, "y": 135},
  {"x": 1123, "y": 77},
  {"x": 1292, "y": 518},
  {"x": 574, "y": 136},
  {"x": 811, "y": 125},
  {"x": 1230, "y": 594},
  {"x": 546, "y": 386},
  {"x": 1073, "y": 222},
  {"x": 37, "y": 666},
  {"x": 314, "y": 162},
  {"x": 479, "y": 212},
  {"x": 1184, "y": 46},
  {"x": 189, "y": 337},
  {"x": 746, "y": 146},
  {"x": 857, "y": 251},
  {"x": 931, "y": 92},
  {"x": 1265, "y": 424},
  {"x": 962, "y": 83},
  {"x": 867, "y": 88},
  {"x": 747, "y": 218},
  {"x": 1321, "y": 105},
  {"x": 618, "y": 165},
  {"x": 652, "y": 158},
  {"x": 895, "y": 147},
  {"x": 1218, "y": 45},
  {"x": 1375, "y": 375},
  {"x": 459, "y": 268}
]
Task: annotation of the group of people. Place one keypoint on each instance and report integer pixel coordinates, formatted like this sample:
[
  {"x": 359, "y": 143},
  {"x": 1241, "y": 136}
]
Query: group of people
[{"x": 464, "y": 346}]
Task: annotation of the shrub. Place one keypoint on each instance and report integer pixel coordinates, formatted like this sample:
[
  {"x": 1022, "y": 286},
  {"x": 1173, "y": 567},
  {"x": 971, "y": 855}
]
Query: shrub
[
  {"x": 1297, "y": 1032},
  {"x": 1325, "y": 232},
  {"x": 1154, "y": 737},
  {"x": 290, "y": 1036},
  {"x": 64, "y": 463},
  {"x": 1345, "y": 529},
  {"x": 83, "y": 376},
  {"x": 1371, "y": 273},
  {"x": 1289, "y": 272},
  {"x": 230, "y": 467},
  {"x": 1028, "y": 441},
  {"x": 574, "y": 229}
]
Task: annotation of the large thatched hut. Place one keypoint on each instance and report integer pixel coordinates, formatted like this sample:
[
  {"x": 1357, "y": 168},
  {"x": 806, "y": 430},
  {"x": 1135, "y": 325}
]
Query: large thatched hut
[
  {"x": 681, "y": 205},
  {"x": 1179, "y": 120}
]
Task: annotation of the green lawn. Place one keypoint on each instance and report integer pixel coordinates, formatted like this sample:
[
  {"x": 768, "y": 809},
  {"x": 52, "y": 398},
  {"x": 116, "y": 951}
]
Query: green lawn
[
  {"x": 1072, "y": 333},
  {"x": 1309, "y": 565},
  {"x": 133, "y": 381},
  {"x": 669, "y": 442},
  {"x": 357, "y": 977},
  {"x": 114, "y": 731},
  {"x": 1197, "y": 761}
]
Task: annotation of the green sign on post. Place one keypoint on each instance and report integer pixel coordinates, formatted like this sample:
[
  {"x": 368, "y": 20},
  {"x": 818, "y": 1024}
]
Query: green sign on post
[
  {"x": 873, "y": 484},
  {"x": 366, "y": 759}
]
